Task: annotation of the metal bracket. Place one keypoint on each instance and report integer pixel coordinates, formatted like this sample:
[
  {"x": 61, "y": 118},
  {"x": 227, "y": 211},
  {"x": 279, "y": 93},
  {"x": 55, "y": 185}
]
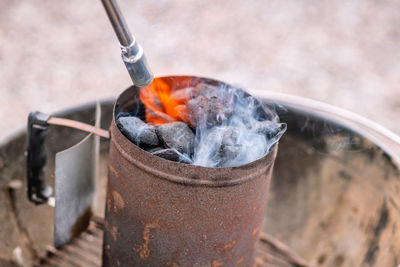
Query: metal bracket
[{"x": 38, "y": 190}]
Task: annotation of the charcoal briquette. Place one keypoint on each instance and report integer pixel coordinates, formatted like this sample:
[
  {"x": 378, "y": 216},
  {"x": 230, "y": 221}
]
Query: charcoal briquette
[
  {"x": 177, "y": 135},
  {"x": 172, "y": 154},
  {"x": 138, "y": 131}
]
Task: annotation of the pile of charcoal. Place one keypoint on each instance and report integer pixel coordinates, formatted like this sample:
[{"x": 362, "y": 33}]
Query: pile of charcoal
[
  {"x": 173, "y": 141},
  {"x": 223, "y": 127}
]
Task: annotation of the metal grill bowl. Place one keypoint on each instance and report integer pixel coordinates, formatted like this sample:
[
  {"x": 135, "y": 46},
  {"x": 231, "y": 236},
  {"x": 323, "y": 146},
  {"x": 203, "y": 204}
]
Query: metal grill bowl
[{"x": 336, "y": 202}]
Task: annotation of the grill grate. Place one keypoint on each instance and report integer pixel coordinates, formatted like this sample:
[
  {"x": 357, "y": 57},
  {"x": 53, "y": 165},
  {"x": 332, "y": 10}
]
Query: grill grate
[{"x": 86, "y": 250}]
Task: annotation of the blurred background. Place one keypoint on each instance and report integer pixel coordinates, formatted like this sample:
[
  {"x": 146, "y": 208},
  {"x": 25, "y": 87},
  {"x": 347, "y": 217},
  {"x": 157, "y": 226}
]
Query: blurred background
[{"x": 56, "y": 54}]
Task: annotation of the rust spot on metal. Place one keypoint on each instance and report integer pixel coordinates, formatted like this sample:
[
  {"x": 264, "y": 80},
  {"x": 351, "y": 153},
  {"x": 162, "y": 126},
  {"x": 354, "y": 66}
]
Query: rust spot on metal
[
  {"x": 216, "y": 263},
  {"x": 81, "y": 223},
  {"x": 255, "y": 231},
  {"x": 172, "y": 264},
  {"x": 119, "y": 202},
  {"x": 239, "y": 261},
  {"x": 108, "y": 205},
  {"x": 114, "y": 232},
  {"x": 230, "y": 245},
  {"x": 143, "y": 250},
  {"x": 112, "y": 169}
]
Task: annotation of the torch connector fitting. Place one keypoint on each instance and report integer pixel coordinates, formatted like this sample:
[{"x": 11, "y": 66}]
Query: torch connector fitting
[
  {"x": 136, "y": 63},
  {"x": 131, "y": 53}
]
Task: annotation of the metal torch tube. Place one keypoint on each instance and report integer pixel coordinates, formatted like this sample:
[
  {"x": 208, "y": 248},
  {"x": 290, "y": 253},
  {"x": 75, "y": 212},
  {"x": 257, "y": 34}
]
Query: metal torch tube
[
  {"x": 118, "y": 22},
  {"x": 131, "y": 52}
]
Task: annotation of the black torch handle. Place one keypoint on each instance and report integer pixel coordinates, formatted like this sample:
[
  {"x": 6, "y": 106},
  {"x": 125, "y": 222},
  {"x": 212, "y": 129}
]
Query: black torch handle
[{"x": 38, "y": 191}]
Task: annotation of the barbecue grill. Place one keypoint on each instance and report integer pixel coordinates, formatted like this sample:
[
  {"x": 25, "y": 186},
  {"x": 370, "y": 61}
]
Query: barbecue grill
[{"x": 333, "y": 198}]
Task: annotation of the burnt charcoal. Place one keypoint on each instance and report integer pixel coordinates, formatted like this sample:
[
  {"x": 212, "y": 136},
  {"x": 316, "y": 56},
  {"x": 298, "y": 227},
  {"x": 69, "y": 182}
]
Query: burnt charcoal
[
  {"x": 172, "y": 154},
  {"x": 138, "y": 131},
  {"x": 228, "y": 148},
  {"x": 209, "y": 109},
  {"x": 177, "y": 135},
  {"x": 219, "y": 146}
]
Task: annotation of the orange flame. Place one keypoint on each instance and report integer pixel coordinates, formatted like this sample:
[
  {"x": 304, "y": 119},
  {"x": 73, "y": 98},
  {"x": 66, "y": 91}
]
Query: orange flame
[{"x": 163, "y": 103}]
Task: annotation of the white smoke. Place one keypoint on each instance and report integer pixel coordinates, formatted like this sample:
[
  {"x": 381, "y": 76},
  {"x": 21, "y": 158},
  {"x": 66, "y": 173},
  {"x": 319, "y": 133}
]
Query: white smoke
[{"x": 233, "y": 128}]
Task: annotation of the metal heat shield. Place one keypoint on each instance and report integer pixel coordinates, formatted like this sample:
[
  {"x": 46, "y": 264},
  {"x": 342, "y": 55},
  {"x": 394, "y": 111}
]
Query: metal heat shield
[{"x": 76, "y": 169}]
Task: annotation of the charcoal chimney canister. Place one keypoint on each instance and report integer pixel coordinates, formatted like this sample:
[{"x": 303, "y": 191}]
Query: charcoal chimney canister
[{"x": 164, "y": 213}]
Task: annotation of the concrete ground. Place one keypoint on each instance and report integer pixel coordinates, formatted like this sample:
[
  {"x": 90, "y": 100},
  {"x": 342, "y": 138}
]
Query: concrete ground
[{"x": 55, "y": 54}]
